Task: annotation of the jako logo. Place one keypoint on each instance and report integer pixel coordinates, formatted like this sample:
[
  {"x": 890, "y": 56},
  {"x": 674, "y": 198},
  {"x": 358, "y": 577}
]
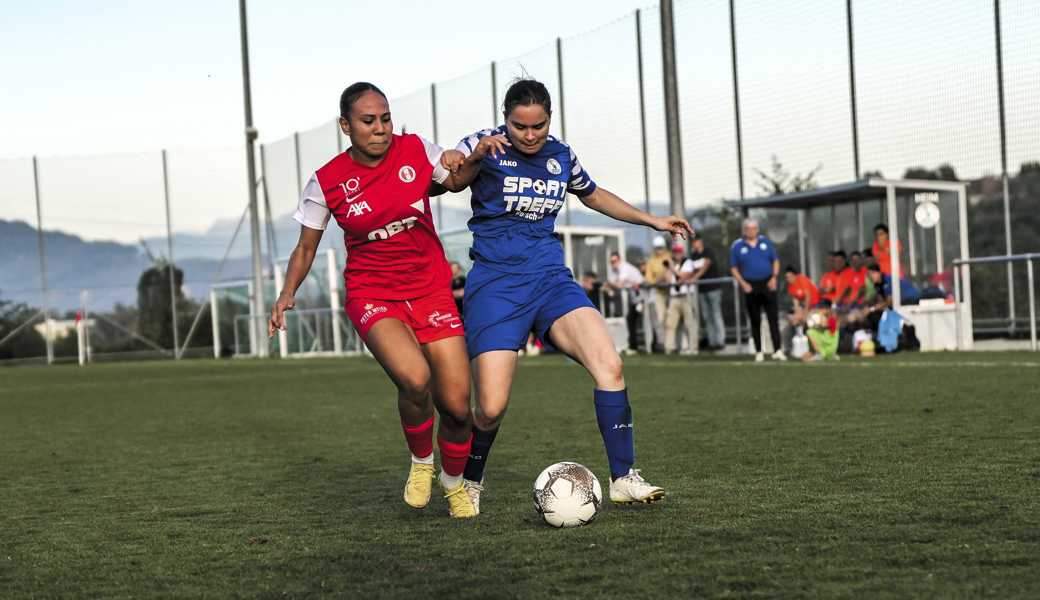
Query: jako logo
[
  {"x": 393, "y": 228},
  {"x": 622, "y": 426},
  {"x": 507, "y": 163}
]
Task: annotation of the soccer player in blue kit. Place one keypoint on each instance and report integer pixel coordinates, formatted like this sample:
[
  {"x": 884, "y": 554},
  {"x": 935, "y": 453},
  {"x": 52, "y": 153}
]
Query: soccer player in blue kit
[{"x": 519, "y": 176}]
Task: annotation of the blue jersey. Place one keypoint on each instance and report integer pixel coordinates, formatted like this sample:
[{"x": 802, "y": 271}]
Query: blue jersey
[
  {"x": 515, "y": 200},
  {"x": 753, "y": 261}
]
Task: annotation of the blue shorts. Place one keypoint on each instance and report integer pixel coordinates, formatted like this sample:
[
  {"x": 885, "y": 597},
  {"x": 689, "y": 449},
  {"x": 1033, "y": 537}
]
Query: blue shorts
[{"x": 499, "y": 309}]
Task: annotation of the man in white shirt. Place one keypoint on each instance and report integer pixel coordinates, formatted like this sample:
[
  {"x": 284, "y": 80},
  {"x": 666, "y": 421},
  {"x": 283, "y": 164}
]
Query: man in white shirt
[
  {"x": 682, "y": 303},
  {"x": 624, "y": 278}
]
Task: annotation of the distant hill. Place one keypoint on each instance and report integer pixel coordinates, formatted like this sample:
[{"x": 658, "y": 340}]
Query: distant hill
[{"x": 110, "y": 270}]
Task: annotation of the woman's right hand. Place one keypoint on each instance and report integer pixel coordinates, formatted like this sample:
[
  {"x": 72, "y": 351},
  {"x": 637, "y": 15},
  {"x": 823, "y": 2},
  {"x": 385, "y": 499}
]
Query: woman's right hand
[
  {"x": 277, "y": 321},
  {"x": 494, "y": 144},
  {"x": 746, "y": 287}
]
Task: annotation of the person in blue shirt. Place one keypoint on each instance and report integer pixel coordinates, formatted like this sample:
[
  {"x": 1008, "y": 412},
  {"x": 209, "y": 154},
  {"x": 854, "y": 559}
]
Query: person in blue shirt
[
  {"x": 519, "y": 177},
  {"x": 908, "y": 294},
  {"x": 755, "y": 265}
]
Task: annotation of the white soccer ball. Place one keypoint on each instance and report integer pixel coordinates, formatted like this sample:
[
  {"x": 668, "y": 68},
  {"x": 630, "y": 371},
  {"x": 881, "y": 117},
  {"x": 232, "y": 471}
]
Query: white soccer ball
[
  {"x": 816, "y": 320},
  {"x": 567, "y": 495}
]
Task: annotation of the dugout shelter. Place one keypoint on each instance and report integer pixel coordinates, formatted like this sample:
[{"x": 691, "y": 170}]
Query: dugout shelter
[{"x": 928, "y": 231}]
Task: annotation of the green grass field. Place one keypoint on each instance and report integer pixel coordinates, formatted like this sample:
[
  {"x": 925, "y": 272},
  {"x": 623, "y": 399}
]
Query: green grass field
[{"x": 907, "y": 476}]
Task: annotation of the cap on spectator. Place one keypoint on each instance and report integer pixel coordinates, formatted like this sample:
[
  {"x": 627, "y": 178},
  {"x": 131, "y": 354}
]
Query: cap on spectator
[{"x": 659, "y": 242}]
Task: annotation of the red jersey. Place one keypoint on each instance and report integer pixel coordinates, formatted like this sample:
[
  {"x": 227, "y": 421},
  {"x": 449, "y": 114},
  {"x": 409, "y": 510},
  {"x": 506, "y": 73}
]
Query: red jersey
[
  {"x": 393, "y": 252},
  {"x": 829, "y": 285},
  {"x": 804, "y": 291}
]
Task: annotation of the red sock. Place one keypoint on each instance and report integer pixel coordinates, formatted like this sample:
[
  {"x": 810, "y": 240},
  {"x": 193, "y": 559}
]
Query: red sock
[
  {"x": 454, "y": 455},
  {"x": 419, "y": 438}
]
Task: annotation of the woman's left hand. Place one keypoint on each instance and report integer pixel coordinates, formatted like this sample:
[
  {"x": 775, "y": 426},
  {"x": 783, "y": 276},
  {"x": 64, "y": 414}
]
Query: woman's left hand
[
  {"x": 674, "y": 225},
  {"x": 452, "y": 160}
]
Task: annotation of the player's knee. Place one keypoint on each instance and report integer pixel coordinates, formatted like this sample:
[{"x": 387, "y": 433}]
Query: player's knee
[
  {"x": 456, "y": 418},
  {"x": 415, "y": 388},
  {"x": 609, "y": 370},
  {"x": 489, "y": 418}
]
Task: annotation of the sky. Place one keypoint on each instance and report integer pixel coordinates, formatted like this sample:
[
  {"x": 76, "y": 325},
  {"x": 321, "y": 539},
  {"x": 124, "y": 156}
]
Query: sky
[
  {"x": 103, "y": 76},
  {"x": 97, "y": 87}
]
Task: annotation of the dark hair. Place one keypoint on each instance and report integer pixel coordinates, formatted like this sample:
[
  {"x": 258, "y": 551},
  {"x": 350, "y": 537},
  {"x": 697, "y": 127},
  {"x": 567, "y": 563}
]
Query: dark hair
[
  {"x": 856, "y": 253},
  {"x": 613, "y": 254},
  {"x": 351, "y": 95},
  {"x": 868, "y": 252},
  {"x": 874, "y": 267},
  {"x": 840, "y": 254},
  {"x": 791, "y": 269},
  {"x": 525, "y": 92},
  {"x": 882, "y": 227},
  {"x": 591, "y": 274}
]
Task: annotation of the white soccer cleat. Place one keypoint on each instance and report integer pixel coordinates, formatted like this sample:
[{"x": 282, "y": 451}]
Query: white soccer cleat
[
  {"x": 632, "y": 488},
  {"x": 779, "y": 356},
  {"x": 759, "y": 357},
  {"x": 474, "y": 490}
]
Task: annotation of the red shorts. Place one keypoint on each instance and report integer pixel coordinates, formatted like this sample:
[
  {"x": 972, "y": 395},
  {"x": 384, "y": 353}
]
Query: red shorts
[{"x": 432, "y": 317}]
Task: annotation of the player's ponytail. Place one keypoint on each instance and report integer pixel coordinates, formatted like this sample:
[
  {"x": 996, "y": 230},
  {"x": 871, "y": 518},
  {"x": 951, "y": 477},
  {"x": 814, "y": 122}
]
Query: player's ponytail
[
  {"x": 526, "y": 92},
  {"x": 351, "y": 95}
]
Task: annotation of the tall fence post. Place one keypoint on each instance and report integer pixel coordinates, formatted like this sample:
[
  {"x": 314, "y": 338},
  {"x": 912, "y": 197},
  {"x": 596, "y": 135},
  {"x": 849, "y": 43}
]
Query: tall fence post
[
  {"x": 272, "y": 242},
  {"x": 169, "y": 249},
  {"x": 436, "y": 140},
  {"x": 736, "y": 95},
  {"x": 562, "y": 114},
  {"x": 494, "y": 94},
  {"x": 257, "y": 298},
  {"x": 671, "y": 111},
  {"x": 852, "y": 91},
  {"x": 642, "y": 120},
  {"x": 1004, "y": 165},
  {"x": 41, "y": 250},
  {"x": 1032, "y": 305}
]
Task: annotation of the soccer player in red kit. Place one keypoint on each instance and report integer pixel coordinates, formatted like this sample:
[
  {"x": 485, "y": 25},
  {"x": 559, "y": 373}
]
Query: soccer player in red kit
[{"x": 397, "y": 280}]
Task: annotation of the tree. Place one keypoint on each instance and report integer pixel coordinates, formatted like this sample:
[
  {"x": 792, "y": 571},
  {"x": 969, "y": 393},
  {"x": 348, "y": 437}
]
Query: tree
[
  {"x": 780, "y": 181},
  {"x": 155, "y": 317},
  {"x": 27, "y": 342}
]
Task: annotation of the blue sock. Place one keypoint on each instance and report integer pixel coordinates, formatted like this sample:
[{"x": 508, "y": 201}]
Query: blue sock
[
  {"x": 478, "y": 453},
  {"x": 615, "y": 425}
]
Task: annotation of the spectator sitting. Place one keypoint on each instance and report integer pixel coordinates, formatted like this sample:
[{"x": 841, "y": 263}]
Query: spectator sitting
[
  {"x": 908, "y": 294},
  {"x": 831, "y": 279},
  {"x": 801, "y": 289},
  {"x": 882, "y": 250},
  {"x": 823, "y": 334},
  {"x": 851, "y": 288}
]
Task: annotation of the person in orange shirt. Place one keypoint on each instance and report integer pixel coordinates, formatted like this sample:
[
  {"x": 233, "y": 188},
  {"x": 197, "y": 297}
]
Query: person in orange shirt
[
  {"x": 851, "y": 287},
  {"x": 882, "y": 250},
  {"x": 801, "y": 288},
  {"x": 831, "y": 279}
]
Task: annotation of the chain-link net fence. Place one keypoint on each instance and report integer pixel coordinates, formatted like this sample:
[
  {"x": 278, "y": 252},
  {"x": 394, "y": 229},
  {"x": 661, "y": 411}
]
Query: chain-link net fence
[{"x": 910, "y": 89}]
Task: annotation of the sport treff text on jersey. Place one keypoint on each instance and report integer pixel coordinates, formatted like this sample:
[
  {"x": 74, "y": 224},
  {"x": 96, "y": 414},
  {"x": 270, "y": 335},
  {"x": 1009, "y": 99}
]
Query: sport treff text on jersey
[
  {"x": 515, "y": 200},
  {"x": 393, "y": 252}
]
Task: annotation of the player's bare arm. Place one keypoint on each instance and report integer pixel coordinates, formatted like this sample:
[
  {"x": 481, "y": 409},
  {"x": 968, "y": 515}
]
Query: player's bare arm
[
  {"x": 465, "y": 169},
  {"x": 604, "y": 201},
  {"x": 299, "y": 265}
]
